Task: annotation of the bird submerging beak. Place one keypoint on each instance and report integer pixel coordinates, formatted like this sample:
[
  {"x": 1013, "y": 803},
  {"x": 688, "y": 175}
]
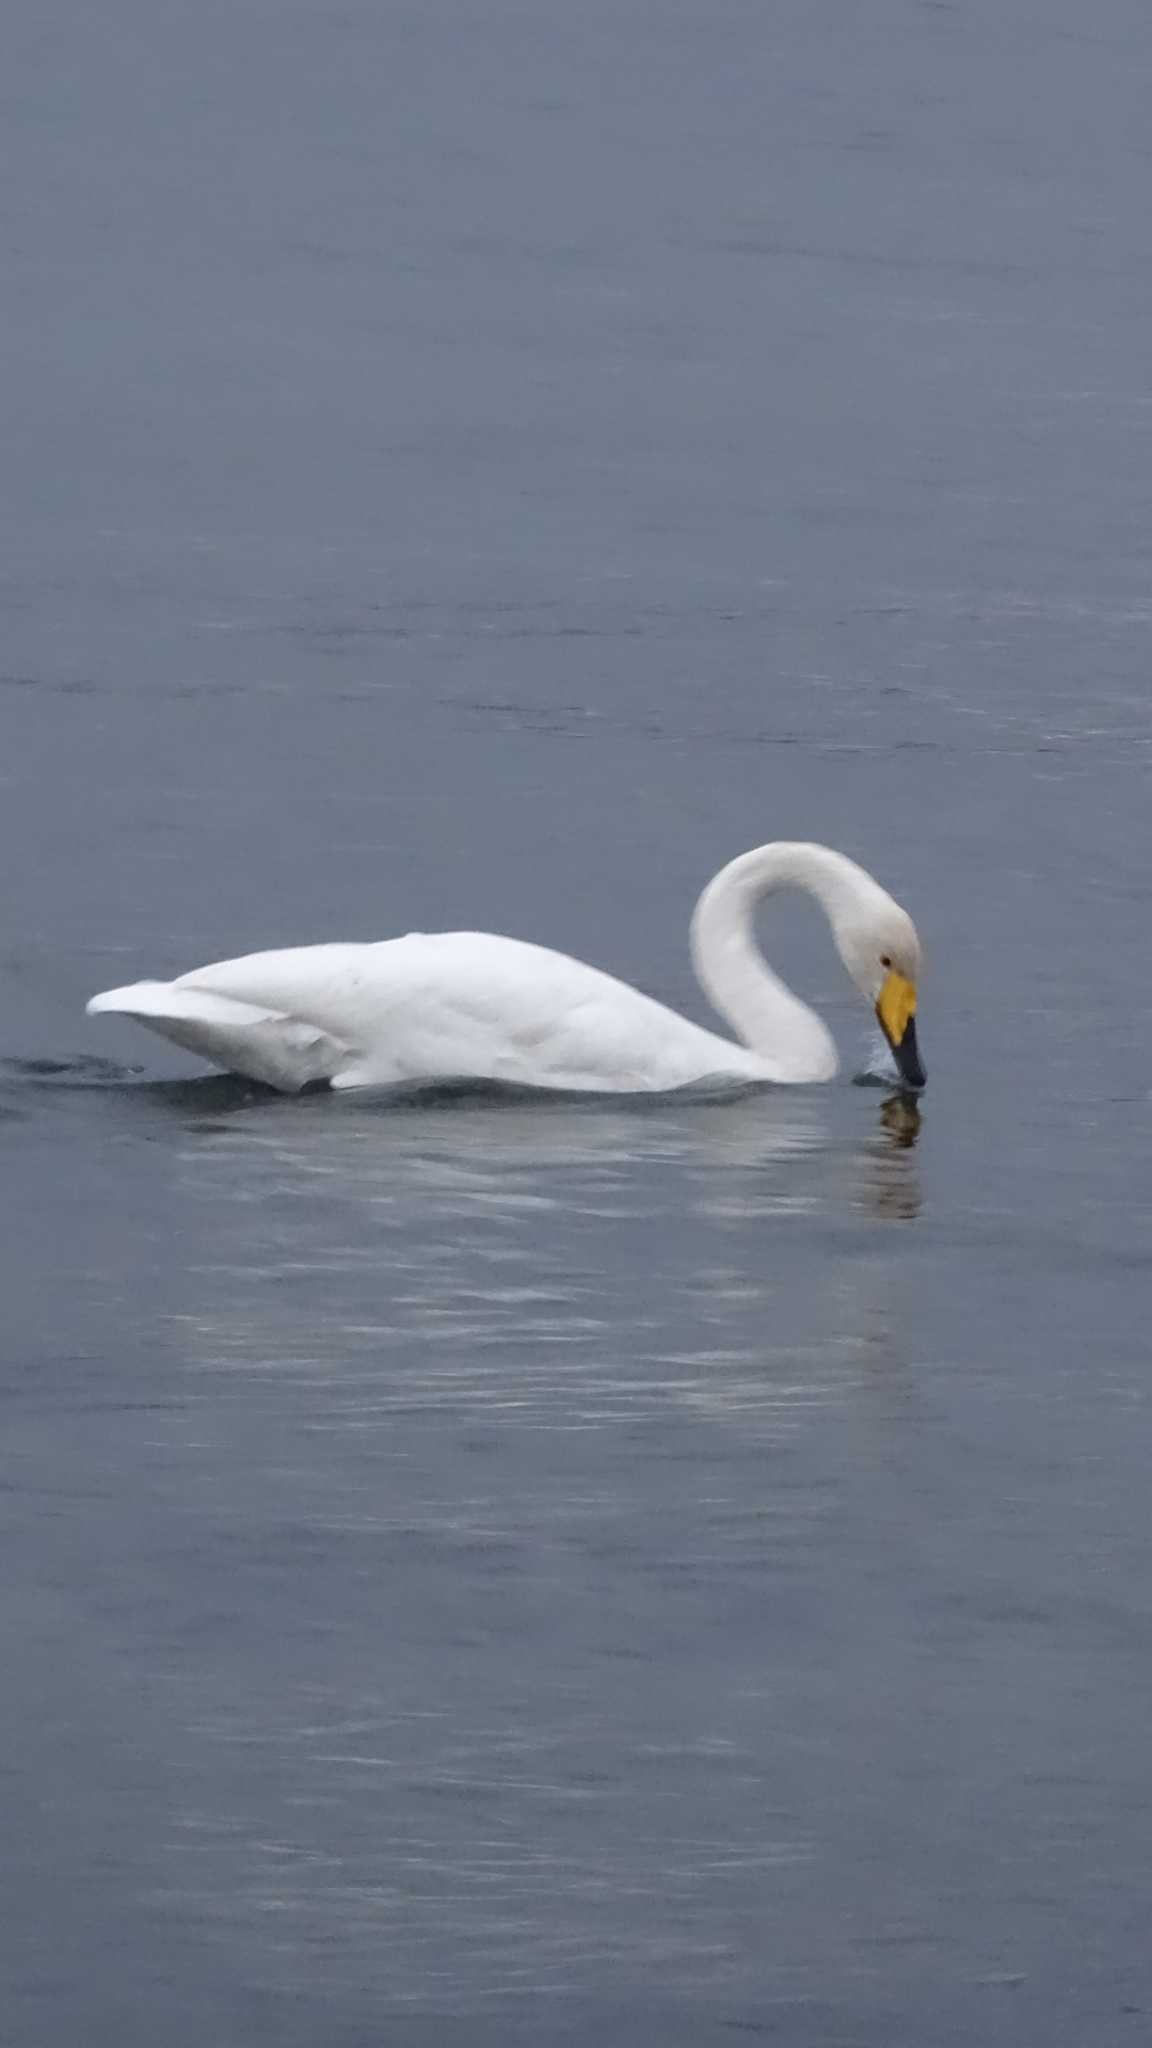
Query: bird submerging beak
[
  {"x": 454, "y": 1006},
  {"x": 896, "y": 1015}
]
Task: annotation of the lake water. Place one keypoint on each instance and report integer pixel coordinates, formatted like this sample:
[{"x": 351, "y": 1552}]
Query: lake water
[{"x": 488, "y": 1571}]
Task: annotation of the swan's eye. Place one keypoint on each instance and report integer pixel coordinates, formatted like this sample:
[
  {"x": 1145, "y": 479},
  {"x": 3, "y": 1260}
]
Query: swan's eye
[{"x": 885, "y": 959}]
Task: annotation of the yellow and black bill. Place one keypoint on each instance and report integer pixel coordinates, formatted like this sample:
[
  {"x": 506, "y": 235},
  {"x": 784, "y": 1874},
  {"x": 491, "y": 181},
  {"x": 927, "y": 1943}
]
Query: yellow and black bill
[{"x": 896, "y": 1013}]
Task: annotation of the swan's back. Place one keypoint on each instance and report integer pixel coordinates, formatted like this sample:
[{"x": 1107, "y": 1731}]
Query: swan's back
[{"x": 425, "y": 1007}]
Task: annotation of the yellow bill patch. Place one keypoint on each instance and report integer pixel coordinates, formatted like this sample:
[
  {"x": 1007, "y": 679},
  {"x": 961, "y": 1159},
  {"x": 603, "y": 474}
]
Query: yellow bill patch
[{"x": 896, "y": 1006}]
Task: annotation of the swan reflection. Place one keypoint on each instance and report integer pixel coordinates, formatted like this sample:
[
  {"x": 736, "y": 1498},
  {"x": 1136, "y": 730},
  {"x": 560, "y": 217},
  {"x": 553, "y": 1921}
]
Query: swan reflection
[{"x": 568, "y": 1267}]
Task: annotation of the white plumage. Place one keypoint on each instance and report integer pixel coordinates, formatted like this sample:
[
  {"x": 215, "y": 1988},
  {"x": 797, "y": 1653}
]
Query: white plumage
[{"x": 456, "y": 1005}]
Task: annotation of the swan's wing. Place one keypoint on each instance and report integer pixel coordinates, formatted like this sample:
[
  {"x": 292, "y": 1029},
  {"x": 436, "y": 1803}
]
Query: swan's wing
[
  {"x": 474, "y": 1003},
  {"x": 446, "y": 1005},
  {"x": 430, "y": 1006},
  {"x": 282, "y": 1051}
]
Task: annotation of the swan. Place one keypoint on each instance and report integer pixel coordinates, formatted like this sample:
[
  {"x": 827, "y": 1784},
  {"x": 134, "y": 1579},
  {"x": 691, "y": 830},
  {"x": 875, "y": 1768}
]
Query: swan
[{"x": 469, "y": 1005}]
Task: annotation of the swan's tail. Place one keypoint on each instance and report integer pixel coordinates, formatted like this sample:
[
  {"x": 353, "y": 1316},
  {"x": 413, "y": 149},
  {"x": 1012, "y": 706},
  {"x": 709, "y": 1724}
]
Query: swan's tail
[{"x": 283, "y": 1052}]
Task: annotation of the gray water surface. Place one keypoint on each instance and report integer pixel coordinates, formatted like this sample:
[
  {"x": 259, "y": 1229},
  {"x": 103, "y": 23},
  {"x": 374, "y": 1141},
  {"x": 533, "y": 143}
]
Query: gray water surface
[{"x": 485, "y": 1570}]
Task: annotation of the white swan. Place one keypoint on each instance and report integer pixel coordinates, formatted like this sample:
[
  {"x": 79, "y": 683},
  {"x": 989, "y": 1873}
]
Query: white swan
[{"x": 456, "y": 1005}]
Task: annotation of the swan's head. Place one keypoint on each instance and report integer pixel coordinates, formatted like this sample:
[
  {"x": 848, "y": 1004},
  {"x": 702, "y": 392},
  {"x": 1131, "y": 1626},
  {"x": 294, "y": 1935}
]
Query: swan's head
[{"x": 878, "y": 944}]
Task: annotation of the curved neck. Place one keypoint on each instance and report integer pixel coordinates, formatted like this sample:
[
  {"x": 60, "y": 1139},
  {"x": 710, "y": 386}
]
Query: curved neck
[{"x": 790, "y": 1038}]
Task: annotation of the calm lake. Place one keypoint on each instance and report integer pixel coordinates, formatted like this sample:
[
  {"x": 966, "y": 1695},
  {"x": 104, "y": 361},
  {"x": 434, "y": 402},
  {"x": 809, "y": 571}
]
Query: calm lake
[{"x": 488, "y": 1571}]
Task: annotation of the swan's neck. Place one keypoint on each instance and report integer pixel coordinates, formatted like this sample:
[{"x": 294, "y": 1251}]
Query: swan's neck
[{"x": 794, "y": 1043}]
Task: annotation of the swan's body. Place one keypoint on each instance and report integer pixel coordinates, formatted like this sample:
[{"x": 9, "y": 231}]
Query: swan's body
[{"x": 456, "y": 1005}]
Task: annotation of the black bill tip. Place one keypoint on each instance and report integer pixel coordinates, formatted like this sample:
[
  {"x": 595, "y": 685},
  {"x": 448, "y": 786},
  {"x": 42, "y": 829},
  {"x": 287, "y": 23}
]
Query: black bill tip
[{"x": 909, "y": 1065}]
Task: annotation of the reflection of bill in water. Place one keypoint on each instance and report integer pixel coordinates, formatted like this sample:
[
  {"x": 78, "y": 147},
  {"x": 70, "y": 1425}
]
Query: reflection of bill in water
[
  {"x": 890, "y": 1184},
  {"x": 900, "y": 1117}
]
